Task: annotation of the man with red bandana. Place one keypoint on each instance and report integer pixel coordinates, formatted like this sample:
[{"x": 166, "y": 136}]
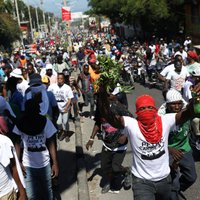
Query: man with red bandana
[{"x": 148, "y": 135}]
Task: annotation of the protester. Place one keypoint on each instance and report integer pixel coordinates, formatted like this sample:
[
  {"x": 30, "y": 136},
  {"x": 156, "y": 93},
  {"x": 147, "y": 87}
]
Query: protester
[
  {"x": 192, "y": 59},
  {"x": 37, "y": 134},
  {"x": 22, "y": 84},
  {"x": 113, "y": 150},
  {"x": 63, "y": 94},
  {"x": 50, "y": 72},
  {"x": 12, "y": 185},
  {"x": 35, "y": 88},
  {"x": 60, "y": 65},
  {"x": 30, "y": 69},
  {"x": 15, "y": 98},
  {"x": 81, "y": 58},
  {"x": 182, "y": 164},
  {"x": 187, "y": 94},
  {"x": 86, "y": 90},
  {"x": 177, "y": 77},
  {"x": 71, "y": 81},
  {"x": 148, "y": 135}
]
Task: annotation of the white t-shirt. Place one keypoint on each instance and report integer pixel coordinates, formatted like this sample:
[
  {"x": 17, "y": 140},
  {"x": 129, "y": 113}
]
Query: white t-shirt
[
  {"x": 150, "y": 161},
  {"x": 62, "y": 95},
  {"x": 36, "y": 154},
  {"x": 184, "y": 55},
  {"x": 153, "y": 60},
  {"x": 177, "y": 80},
  {"x": 153, "y": 48},
  {"x": 187, "y": 94},
  {"x": 21, "y": 87},
  {"x": 6, "y": 183},
  {"x": 186, "y": 42},
  {"x": 167, "y": 69}
]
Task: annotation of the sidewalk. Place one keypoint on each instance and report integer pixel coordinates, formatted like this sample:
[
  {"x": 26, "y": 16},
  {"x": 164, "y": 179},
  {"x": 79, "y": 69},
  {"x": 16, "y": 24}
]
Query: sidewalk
[{"x": 67, "y": 167}]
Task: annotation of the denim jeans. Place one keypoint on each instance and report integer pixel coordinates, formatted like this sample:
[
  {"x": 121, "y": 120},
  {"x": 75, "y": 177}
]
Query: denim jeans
[
  {"x": 89, "y": 98},
  {"x": 38, "y": 183},
  {"x": 151, "y": 190},
  {"x": 80, "y": 65},
  {"x": 62, "y": 121},
  {"x": 183, "y": 178}
]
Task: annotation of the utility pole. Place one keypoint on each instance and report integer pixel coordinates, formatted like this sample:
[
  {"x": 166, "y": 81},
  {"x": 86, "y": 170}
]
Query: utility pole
[
  {"x": 18, "y": 19},
  {"x": 17, "y": 11},
  {"x": 65, "y": 3},
  {"x": 49, "y": 18},
  {"x": 30, "y": 21},
  {"x": 44, "y": 21},
  {"x": 38, "y": 25}
]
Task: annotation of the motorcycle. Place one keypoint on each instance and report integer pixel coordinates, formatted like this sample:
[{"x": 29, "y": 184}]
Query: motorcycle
[
  {"x": 127, "y": 74},
  {"x": 153, "y": 71}
]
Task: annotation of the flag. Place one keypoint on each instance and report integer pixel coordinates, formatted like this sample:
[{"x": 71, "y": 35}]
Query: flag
[{"x": 66, "y": 14}]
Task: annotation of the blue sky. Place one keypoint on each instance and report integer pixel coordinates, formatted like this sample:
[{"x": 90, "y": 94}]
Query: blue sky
[{"x": 55, "y": 5}]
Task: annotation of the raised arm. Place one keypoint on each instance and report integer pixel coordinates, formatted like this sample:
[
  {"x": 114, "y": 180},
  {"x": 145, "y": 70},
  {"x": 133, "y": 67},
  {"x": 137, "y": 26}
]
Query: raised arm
[{"x": 189, "y": 113}]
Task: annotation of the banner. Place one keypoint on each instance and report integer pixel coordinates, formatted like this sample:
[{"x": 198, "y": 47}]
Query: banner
[
  {"x": 66, "y": 14},
  {"x": 92, "y": 22}
]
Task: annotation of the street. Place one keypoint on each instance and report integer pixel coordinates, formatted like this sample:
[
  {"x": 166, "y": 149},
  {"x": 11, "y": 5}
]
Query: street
[{"x": 93, "y": 156}]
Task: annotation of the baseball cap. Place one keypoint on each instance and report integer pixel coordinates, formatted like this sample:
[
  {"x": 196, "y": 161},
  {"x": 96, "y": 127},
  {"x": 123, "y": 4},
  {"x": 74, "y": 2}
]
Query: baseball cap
[
  {"x": 45, "y": 79},
  {"x": 49, "y": 66},
  {"x": 35, "y": 79},
  {"x": 192, "y": 54}
]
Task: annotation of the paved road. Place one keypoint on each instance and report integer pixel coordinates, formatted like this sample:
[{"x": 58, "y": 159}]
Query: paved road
[{"x": 93, "y": 156}]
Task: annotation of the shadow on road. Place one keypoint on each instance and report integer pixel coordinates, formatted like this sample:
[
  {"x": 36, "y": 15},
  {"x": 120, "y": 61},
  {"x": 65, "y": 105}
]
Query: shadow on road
[{"x": 68, "y": 170}]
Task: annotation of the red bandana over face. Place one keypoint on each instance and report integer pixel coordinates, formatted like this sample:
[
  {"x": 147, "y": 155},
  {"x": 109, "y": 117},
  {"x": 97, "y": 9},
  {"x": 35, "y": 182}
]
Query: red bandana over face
[{"x": 148, "y": 120}]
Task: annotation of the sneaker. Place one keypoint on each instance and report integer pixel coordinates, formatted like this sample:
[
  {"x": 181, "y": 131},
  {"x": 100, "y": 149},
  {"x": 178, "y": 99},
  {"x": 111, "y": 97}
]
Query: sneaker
[
  {"x": 105, "y": 189},
  {"x": 114, "y": 191},
  {"x": 198, "y": 144}
]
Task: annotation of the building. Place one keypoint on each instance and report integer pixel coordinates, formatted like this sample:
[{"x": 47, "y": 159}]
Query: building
[{"x": 192, "y": 20}]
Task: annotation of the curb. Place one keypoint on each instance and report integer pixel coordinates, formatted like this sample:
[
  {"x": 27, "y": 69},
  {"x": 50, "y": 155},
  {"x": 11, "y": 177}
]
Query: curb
[{"x": 83, "y": 190}]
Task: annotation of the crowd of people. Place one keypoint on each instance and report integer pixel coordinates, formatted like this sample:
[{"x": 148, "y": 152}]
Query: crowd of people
[{"x": 40, "y": 91}]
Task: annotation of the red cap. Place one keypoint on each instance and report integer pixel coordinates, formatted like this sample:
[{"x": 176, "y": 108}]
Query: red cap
[
  {"x": 144, "y": 100},
  {"x": 192, "y": 54}
]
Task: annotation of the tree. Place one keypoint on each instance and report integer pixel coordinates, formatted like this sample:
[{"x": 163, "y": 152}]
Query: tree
[
  {"x": 109, "y": 8},
  {"x": 155, "y": 16},
  {"x": 9, "y": 29}
]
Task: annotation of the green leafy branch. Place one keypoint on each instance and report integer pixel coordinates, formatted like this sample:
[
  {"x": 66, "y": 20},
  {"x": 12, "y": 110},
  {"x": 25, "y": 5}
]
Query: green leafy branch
[{"x": 110, "y": 75}]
